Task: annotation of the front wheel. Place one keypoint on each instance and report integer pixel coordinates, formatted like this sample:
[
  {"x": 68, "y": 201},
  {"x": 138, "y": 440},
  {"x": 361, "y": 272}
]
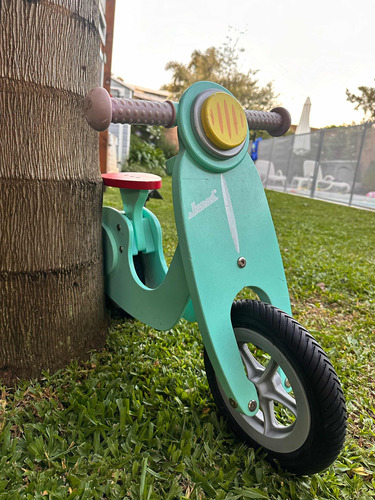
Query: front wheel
[{"x": 302, "y": 419}]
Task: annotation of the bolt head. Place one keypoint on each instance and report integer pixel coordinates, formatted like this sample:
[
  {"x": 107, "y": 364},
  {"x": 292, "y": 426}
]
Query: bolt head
[
  {"x": 121, "y": 249},
  {"x": 241, "y": 262},
  {"x": 118, "y": 227},
  {"x": 287, "y": 383},
  {"x": 252, "y": 405},
  {"x": 233, "y": 403}
]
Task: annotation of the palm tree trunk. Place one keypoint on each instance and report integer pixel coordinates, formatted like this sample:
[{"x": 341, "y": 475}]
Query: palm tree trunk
[{"x": 51, "y": 283}]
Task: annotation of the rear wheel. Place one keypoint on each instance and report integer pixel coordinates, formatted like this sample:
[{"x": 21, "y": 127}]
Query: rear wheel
[{"x": 301, "y": 420}]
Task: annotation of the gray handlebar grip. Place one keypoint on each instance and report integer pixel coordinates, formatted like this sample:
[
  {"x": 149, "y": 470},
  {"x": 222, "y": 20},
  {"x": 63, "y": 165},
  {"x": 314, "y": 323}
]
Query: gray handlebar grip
[
  {"x": 98, "y": 109},
  {"x": 276, "y": 122},
  {"x": 143, "y": 112},
  {"x": 101, "y": 110}
]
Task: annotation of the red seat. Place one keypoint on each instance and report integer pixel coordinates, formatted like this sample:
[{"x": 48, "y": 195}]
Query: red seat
[{"x": 132, "y": 180}]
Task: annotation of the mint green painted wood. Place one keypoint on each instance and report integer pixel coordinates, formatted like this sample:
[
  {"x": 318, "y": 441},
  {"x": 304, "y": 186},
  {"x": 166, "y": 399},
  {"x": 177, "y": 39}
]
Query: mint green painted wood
[
  {"x": 160, "y": 304},
  {"x": 133, "y": 201},
  {"x": 221, "y": 215}
]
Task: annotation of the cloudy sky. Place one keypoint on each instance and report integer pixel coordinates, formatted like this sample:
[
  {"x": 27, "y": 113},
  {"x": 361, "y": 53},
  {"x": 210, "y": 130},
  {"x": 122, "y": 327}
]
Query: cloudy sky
[{"x": 313, "y": 49}]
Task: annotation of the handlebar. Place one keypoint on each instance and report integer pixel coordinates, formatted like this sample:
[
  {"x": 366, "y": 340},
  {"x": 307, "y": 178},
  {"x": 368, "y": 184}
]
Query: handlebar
[
  {"x": 101, "y": 110},
  {"x": 276, "y": 122},
  {"x": 143, "y": 112}
]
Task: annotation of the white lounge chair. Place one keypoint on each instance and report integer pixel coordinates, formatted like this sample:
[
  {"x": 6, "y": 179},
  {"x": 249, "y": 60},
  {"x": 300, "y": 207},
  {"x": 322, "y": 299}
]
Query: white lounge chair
[
  {"x": 326, "y": 183},
  {"x": 267, "y": 173}
]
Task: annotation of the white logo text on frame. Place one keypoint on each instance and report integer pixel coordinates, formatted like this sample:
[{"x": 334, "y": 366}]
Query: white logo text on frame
[{"x": 198, "y": 208}]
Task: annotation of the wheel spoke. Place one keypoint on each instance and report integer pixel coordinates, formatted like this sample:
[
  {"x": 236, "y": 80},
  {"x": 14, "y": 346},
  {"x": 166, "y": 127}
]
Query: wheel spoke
[
  {"x": 254, "y": 369},
  {"x": 278, "y": 394},
  {"x": 273, "y": 389},
  {"x": 269, "y": 372},
  {"x": 269, "y": 420}
]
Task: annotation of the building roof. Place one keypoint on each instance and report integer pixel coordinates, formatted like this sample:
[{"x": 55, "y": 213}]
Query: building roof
[
  {"x": 142, "y": 92},
  {"x": 145, "y": 93},
  {"x": 119, "y": 82}
]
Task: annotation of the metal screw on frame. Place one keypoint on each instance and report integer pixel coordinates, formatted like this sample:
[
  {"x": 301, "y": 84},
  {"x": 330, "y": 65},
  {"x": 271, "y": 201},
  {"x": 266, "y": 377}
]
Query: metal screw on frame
[
  {"x": 241, "y": 262},
  {"x": 233, "y": 403},
  {"x": 252, "y": 405}
]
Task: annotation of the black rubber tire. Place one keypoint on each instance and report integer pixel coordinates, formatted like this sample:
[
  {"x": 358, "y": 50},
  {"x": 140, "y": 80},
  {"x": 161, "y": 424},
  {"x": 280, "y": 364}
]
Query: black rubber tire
[{"x": 322, "y": 393}]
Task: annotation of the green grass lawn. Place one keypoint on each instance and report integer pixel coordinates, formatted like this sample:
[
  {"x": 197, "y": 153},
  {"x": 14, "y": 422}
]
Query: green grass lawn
[{"x": 138, "y": 421}]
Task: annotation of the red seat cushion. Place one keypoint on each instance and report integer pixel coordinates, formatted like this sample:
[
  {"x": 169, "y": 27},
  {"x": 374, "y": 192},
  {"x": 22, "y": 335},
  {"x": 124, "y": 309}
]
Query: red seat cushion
[{"x": 132, "y": 180}]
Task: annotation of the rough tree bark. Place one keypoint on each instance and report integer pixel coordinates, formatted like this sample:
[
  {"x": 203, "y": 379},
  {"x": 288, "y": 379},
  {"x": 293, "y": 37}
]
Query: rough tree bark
[{"x": 51, "y": 284}]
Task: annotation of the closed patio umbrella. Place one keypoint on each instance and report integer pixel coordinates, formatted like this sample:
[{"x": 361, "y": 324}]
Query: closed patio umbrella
[{"x": 301, "y": 143}]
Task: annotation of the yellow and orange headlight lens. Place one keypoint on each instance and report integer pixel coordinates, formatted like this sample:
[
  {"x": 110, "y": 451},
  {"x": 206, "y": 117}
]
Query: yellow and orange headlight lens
[{"x": 224, "y": 120}]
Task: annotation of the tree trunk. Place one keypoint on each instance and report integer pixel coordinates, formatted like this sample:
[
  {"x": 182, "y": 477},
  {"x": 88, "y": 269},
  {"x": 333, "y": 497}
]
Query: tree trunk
[{"x": 51, "y": 280}]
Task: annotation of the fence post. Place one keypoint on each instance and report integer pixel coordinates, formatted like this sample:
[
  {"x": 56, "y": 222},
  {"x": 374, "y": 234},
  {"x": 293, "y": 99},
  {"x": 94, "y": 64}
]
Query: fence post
[
  {"x": 269, "y": 161},
  {"x": 288, "y": 167},
  {"x": 320, "y": 145},
  {"x": 365, "y": 128}
]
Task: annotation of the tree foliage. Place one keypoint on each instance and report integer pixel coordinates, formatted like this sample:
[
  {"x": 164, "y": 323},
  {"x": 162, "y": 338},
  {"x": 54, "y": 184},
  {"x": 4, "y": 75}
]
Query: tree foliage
[
  {"x": 221, "y": 65},
  {"x": 365, "y": 100}
]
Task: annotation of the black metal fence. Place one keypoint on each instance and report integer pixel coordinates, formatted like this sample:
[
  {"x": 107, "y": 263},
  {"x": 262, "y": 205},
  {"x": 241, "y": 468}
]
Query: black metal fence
[{"x": 335, "y": 164}]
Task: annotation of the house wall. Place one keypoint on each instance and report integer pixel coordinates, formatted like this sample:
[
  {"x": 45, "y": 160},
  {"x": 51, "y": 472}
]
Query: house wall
[
  {"x": 119, "y": 130},
  {"x": 171, "y": 136}
]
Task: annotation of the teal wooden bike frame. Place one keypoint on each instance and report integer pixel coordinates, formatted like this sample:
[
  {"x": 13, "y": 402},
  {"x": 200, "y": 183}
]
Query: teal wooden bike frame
[{"x": 222, "y": 219}]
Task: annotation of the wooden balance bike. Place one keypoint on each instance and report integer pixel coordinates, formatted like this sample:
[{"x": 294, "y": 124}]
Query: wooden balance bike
[{"x": 269, "y": 377}]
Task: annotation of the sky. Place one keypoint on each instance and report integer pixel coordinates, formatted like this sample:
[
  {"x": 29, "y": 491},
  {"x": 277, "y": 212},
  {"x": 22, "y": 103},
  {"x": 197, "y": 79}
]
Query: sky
[{"x": 315, "y": 48}]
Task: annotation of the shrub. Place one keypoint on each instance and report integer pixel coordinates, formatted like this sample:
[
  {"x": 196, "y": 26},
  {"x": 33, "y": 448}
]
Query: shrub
[
  {"x": 146, "y": 155},
  {"x": 169, "y": 149},
  {"x": 155, "y": 136}
]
